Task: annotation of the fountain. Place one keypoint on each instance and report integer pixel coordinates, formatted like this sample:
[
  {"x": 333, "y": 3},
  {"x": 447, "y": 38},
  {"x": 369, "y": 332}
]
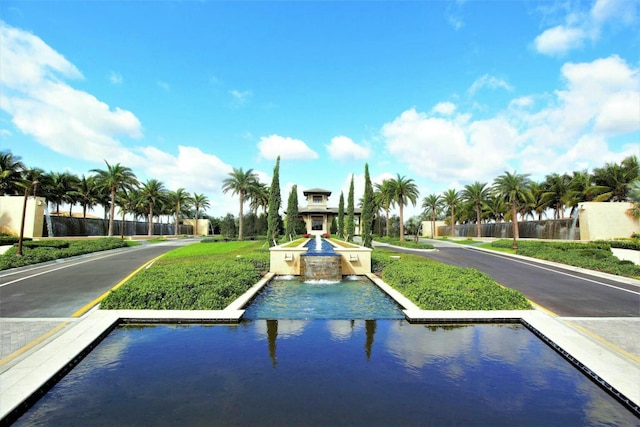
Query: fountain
[{"x": 320, "y": 262}]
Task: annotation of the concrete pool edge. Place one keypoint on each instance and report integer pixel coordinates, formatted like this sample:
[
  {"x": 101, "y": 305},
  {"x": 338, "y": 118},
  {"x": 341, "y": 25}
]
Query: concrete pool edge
[{"x": 27, "y": 380}]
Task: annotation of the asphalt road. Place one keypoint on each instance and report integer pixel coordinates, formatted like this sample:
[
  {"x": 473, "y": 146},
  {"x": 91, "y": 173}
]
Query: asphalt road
[
  {"x": 60, "y": 289},
  {"x": 566, "y": 293}
]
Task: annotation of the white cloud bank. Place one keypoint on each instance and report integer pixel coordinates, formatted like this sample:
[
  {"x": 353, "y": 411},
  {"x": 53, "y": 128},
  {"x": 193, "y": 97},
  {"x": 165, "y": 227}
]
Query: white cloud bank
[
  {"x": 287, "y": 148},
  {"x": 581, "y": 27},
  {"x": 35, "y": 93},
  {"x": 343, "y": 148},
  {"x": 599, "y": 100}
]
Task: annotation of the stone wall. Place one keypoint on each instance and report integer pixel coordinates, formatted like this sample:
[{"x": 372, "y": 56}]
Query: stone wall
[
  {"x": 560, "y": 229},
  {"x": 64, "y": 226},
  {"x": 606, "y": 220}
]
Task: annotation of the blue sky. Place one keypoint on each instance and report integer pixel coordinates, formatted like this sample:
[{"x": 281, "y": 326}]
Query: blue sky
[{"x": 443, "y": 92}]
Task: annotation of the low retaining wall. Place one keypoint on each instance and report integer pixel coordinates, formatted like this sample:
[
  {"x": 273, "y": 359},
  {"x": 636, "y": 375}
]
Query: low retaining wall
[{"x": 558, "y": 229}]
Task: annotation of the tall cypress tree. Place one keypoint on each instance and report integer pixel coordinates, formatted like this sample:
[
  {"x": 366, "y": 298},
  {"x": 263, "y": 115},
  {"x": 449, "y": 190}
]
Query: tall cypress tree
[
  {"x": 274, "y": 206},
  {"x": 341, "y": 216},
  {"x": 292, "y": 212},
  {"x": 367, "y": 210},
  {"x": 351, "y": 223}
]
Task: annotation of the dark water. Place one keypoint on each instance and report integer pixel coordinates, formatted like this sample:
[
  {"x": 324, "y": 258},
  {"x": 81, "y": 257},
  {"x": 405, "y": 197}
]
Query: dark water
[
  {"x": 352, "y": 298},
  {"x": 325, "y": 373}
]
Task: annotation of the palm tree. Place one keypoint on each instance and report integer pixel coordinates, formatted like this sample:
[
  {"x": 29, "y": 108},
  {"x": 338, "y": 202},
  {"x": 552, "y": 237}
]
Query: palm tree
[
  {"x": 404, "y": 191},
  {"x": 152, "y": 192},
  {"x": 579, "y": 186},
  {"x": 61, "y": 187},
  {"x": 240, "y": 183},
  {"x": 87, "y": 193},
  {"x": 180, "y": 199},
  {"x": 613, "y": 181},
  {"x": 514, "y": 189},
  {"x": 258, "y": 195},
  {"x": 432, "y": 204},
  {"x": 128, "y": 202},
  {"x": 115, "y": 178},
  {"x": 199, "y": 201},
  {"x": 557, "y": 192},
  {"x": 451, "y": 198},
  {"x": 634, "y": 196},
  {"x": 29, "y": 182},
  {"x": 10, "y": 169},
  {"x": 386, "y": 191},
  {"x": 476, "y": 194}
]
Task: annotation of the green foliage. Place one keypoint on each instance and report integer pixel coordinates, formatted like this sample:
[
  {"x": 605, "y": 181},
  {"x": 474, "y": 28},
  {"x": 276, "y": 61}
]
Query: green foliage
[
  {"x": 292, "y": 212},
  {"x": 367, "y": 210},
  {"x": 43, "y": 251},
  {"x": 633, "y": 244},
  {"x": 434, "y": 286},
  {"x": 273, "y": 218},
  {"x": 405, "y": 243},
  {"x": 341, "y": 228},
  {"x": 351, "y": 221},
  {"x": 593, "y": 256},
  {"x": 194, "y": 277},
  {"x": 10, "y": 240}
]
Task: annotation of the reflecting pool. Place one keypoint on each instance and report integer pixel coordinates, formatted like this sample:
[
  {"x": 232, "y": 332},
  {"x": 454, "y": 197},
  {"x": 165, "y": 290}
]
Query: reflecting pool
[
  {"x": 325, "y": 372},
  {"x": 352, "y": 298}
]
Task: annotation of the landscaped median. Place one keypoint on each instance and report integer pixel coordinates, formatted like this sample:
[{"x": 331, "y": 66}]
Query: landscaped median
[
  {"x": 210, "y": 277},
  {"x": 593, "y": 256},
  {"x": 194, "y": 277},
  {"x": 435, "y": 286},
  {"x": 34, "y": 252}
]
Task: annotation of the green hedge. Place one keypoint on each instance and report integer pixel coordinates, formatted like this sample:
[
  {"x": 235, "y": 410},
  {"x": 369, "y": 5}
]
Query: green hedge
[
  {"x": 42, "y": 251},
  {"x": 410, "y": 244},
  {"x": 593, "y": 256},
  {"x": 9, "y": 240},
  {"x": 194, "y": 277},
  {"x": 211, "y": 285},
  {"x": 435, "y": 286}
]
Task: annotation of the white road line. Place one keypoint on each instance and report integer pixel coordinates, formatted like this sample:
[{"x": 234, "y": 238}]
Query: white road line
[
  {"x": 66, "y": 265},
  {"x": 532, "y": 264}
]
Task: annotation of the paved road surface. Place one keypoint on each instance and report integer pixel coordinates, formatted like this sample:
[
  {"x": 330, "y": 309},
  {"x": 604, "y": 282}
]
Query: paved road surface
[
  {"x": 566, "y": 293},
  {"x": 60, "y": 289}
]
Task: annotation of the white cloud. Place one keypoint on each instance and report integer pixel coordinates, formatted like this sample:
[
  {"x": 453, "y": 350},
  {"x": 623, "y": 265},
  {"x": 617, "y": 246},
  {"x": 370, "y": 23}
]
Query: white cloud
[
  {"x": 287, "y": 148},
  {"x": 41, "y": 104},
  {"x": 343, "y": 148},
  {"x": 115, "y": 78},
  {"x": 581, "y": 26},
  {"x": 490, "y": 82},
  {"x": 240, "y": 98},
  {"x": 538, "y": 134},
  {"x": 559, "y": 40},
  {"x": 444, "y": 108}
]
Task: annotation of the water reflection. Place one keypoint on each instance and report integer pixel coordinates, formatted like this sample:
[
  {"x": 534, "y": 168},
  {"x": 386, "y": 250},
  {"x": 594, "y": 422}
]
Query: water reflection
[{"x": 351, "y": 372}]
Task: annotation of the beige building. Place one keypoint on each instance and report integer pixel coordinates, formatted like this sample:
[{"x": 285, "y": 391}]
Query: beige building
[
  {"x": 11, "y": 215},
  {"x": 318, "y": 216},
  {"x": 602, "y": 221}
]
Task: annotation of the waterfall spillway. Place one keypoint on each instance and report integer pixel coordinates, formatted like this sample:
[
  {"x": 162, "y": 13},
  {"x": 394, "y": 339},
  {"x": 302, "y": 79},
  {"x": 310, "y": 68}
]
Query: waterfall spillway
[{"x": 320, "y": 262}]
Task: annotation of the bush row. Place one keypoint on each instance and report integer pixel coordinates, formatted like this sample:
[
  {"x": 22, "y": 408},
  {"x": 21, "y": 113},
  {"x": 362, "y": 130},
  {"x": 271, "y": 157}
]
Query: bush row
[
  {"x": 593, "y": 256},
  {"x": 193, "y": 278},
  {"x": 435, "y": 286},
  {"x": 37, "y": 252},
  {"x": 406, "y": 244}
]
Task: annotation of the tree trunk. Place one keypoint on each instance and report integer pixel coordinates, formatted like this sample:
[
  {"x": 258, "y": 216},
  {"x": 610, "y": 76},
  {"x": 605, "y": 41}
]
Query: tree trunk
[
  {"x": 150, "y": 232},
  {"x": 514, "y": 222},
  {"x": 478, "y": 227},
  {"x": 112, "y": 209},
  {"x": 22, "y": 221},
  {"x": 453, "y": 221},
  {"x": 240, "y": 219},
  {"x": 400, "y": 206}
]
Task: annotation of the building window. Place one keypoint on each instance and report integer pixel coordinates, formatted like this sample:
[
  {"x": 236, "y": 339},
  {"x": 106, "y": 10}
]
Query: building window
[
  {"x": 317, "y": 200},
  {"x": 317, "y": 222}
]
